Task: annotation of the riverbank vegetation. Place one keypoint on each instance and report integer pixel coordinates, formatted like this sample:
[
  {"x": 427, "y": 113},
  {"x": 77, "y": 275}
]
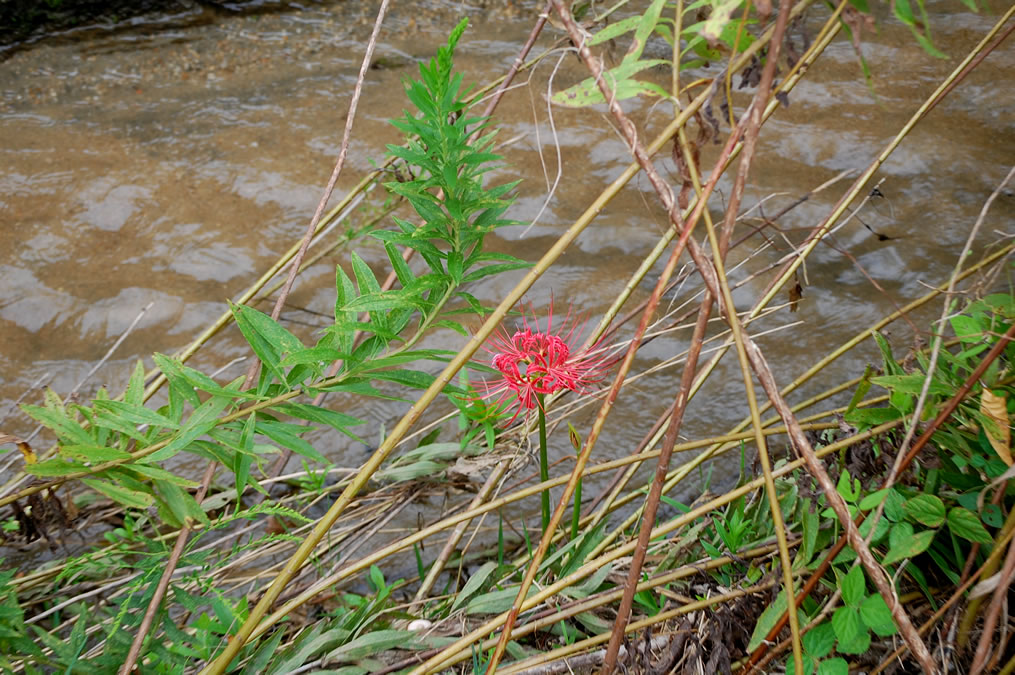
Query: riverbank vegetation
[{"x": 879, "y": 510}]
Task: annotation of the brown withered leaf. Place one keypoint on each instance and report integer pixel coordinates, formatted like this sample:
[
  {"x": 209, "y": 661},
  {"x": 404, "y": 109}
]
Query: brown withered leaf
[
  {"x": 684, "y": 198},
  {"x": 23, "y": 446},
  {"x": 709, "y": 114},
  {"x": 857, "y": 22},
  {"x": 473, "y": 469},
  {"x": 43, "y": 515},
  {"x": 750, "y": 76},
  {"x": 686, "y": 180},
  {"x": 796, "y": 294},
  {"x": 996, "y": 408},
  {"x": 792, "y": 55}
]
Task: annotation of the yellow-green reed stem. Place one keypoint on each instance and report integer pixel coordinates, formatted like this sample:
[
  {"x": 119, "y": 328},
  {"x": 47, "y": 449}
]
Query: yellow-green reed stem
[
  {"x": 495, "y": 504},
  {"x": 544, "y": 462}
]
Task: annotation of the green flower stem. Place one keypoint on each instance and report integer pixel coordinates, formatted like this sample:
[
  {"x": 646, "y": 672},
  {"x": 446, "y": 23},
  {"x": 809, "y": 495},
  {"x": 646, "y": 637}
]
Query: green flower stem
[
  {"x": 544, "y": 466},
  {"x": 576, "y": 509}
]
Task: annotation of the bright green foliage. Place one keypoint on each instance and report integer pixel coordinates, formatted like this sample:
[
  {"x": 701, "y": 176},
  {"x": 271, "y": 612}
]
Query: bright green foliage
[
  {"x": 945, "y": 512},
  {"x": 15, "y": 639},
  {"x": 449, "y": 153},
  {"x": 817, "y": 645},
  {"x": 849, "y": 630},
  {"x": 621, "y": 78},
  {"x": 859, "y": 614}
]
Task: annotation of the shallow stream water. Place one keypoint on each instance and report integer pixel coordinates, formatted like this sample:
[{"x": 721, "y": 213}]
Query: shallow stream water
[{"x": 172, "y": 163}]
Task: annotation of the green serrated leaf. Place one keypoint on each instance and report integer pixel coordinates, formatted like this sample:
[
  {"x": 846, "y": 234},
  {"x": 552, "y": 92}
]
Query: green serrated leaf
[
  {"x": 873, "y": 499},
  {"x": 178, "y": 383},
  {"x": 398, "y": 264},
  {"x": 833, "y": 666},
  {"x": 281, "y": 435},
  {"x": 966, "y": 524},
  {"x": 313, "y": 355},
  {"x": 411, "y": 378},
  {"x": 365, "y": 278},
  {"x": 818, "y": 641},
  {"x": 926, "y": 509},
  {"x": 383, "y": 302},
  {"x": 876, "y": 615},
  {"x": 455, "y": 264},
  {"x": 614, "y": 30},
  {"x": 866, "y": 418},
  {"x": 895, "y": 509},
  {"x": 854, "y": 586},
  {"x": 453, "y": 325},
  {"x": 967, "y": 329},
  {"x": 849, "y": 629},
  {"x": 312, "y": 413},
  {"x": 497, "y": 268},
  {"x": 620, "y": 80},
  {"x": 904, "y": 543}
]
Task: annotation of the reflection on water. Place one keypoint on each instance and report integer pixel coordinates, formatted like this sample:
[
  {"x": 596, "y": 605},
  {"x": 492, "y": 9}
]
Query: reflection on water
[{"x": 172, "y": 168}]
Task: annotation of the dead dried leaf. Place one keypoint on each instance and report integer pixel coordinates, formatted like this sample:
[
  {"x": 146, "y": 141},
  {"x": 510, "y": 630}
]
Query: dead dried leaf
[
  {"x": 985, "y": 587},
  {"x": 473, "y": 469},
  {"x": 996, "y": 408},
  {"x": 795, "y": 295},
  {"x": 23, "y": 446}
]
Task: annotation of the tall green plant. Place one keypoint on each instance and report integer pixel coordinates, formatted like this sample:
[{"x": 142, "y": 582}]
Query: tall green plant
[{"x": 125, "y": 450}]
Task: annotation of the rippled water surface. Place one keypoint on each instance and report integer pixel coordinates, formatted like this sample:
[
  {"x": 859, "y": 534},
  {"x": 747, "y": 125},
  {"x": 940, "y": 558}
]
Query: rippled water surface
[{"x": 173, "y": 165}]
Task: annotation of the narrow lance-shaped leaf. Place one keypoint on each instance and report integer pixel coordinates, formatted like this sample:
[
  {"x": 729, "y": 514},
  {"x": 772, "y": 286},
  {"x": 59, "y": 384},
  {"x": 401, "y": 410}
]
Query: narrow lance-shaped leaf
[
  {"x": 120, "y": 494},
  {"x": 269, "y": 340},
  {"x": 277, "y": 432},
  {"x": 67, "y": 429},
  {"x": 134, "y": 414},
  {"x": 135, "y": 388},
  {"x": 200, "y": 422},
  {"x": 183, "y": 506}
]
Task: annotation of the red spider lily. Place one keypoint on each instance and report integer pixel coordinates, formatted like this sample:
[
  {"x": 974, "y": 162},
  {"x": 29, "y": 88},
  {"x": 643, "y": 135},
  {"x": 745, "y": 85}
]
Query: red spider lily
[{"x": 534, "y": 363}]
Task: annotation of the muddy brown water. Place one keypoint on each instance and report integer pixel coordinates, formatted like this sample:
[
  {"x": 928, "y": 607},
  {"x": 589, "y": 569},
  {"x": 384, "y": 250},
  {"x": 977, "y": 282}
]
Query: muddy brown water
[{"x": 172, "y": 166}]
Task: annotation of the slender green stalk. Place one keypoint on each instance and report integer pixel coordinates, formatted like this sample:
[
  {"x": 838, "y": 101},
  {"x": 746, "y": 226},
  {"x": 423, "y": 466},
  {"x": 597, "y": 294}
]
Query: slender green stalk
[
  {"x": 576, "y": 509},
  {"x": 544, "y": 462}
]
